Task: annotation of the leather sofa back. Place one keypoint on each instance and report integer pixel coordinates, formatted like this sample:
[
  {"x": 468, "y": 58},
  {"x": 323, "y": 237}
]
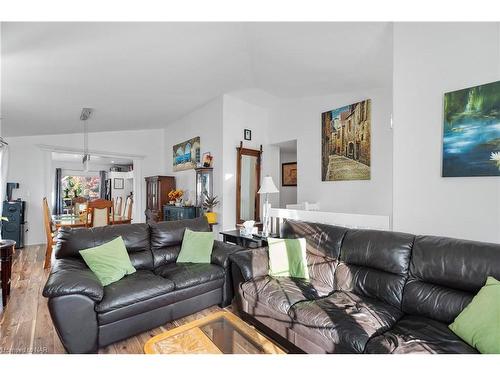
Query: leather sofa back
[
  {"x": 445, "y": 273},
  {"x": 136, "y": 238},
  {"x": 166, "y": 238},
  {"x": 323, "y": 248},
  {"x": 375, "y": 264}
]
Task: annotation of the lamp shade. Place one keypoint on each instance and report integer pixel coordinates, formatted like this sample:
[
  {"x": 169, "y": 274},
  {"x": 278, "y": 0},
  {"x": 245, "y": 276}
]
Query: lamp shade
[{"x": 268, "y": 186}]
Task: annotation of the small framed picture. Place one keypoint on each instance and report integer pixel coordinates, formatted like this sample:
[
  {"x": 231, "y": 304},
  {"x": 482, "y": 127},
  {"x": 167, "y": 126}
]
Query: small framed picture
[
  {"x": 289, "y": 174},
  {"x": 207, "y": 160},
  {"x": 118, "y": 183},
  {"x": 247, "y": 134}
]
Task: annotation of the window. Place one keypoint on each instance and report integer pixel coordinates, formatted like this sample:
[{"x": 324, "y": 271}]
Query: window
[{"x": 80, "y": 186}]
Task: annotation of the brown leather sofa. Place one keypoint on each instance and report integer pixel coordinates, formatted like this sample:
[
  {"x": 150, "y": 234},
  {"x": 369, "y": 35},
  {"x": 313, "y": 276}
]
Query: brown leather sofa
[
  {"x": 369, "y": 291},
  {"x": 88, "y": 316}
]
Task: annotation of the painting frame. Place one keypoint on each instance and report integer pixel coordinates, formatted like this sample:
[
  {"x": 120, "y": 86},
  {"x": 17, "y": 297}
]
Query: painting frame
[
  {"x": 471, "y": 132},
  {"x": 186, "y": 155},
  {"x": 247, "y": 134},
  {"x": 288, "y": 177},
  {"x": 118, "y": 183},
  {"x": 346, "y": 142}
]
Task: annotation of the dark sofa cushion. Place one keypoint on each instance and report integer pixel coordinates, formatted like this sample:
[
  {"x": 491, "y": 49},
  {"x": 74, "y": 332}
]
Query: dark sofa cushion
[
  {"x": 251, "y": 263},
  {"x": 445, "y": 273},
  {"x": 185, "y": 275},
  {"x": 139, "y": 286},
  {"x": 135, "y": 236},
  {"x": 156, "y": 302},
  {"x": 72, "y": 276},
  {"x": 166, "y": 238},
  {"x": 343, "y": 322},
  {"x": 375, "y": 264},
  {"x": 323, "y": 244},
  {"x": 415, "y": 334},
  {"x": 281, "y": 293}
]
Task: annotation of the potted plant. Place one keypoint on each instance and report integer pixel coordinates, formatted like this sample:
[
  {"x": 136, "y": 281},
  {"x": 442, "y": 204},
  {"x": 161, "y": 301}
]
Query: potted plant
[
  {"x": 78, "y": 191},
  {"x": 208, "y": 204}
]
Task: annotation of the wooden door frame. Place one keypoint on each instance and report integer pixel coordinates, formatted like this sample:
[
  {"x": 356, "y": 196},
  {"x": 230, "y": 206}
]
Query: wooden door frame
[{"x": 258, "y": 154}]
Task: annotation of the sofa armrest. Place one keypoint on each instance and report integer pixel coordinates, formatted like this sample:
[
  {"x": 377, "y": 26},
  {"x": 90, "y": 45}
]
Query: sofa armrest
[
  {"x": 72, "y": 276},
  {"x": 221, "y": 252},
  {"x": 252, "y": 263}
]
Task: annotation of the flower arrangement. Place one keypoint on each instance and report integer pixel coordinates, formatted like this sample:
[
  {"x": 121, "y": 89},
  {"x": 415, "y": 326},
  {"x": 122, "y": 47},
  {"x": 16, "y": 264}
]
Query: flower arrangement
[
  {"x": 495, "y": 156},
  {"x": 175, "y": 195}
]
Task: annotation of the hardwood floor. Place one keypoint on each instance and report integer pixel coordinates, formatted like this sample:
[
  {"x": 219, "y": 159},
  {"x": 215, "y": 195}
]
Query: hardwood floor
[{"x": 25, "y": 324}]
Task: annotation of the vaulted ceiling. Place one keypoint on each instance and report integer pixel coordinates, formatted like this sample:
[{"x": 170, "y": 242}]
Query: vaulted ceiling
[{"x": 144, "y": 75}]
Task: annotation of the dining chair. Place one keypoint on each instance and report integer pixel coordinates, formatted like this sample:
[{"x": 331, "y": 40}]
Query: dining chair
[
  {"x": 118, "y": 206},
  {"x": 79, "y": 205},
  {"x": 100, "y": 213},
  {"x": 127, "y": 209},
  {"x": 50, "y": 232}
]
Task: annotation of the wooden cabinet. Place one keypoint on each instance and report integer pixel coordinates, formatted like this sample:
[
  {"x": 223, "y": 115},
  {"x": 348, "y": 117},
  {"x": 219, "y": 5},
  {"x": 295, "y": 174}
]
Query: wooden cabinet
[
  {"x": 172, "y": 213},
  {"x": 157, "y": 189}
]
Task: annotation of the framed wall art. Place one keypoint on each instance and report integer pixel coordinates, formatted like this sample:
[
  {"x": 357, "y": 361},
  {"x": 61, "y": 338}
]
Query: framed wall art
[
  {"x": 118, "y": 183},
  {"x": 186, "y": 155},
  {"x": 471, "y": 131},
  {"x": 289, "y": 174},
  {"x": 346, "y": 142}
]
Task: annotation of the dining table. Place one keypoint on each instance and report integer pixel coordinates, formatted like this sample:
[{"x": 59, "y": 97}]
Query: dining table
[{"x": 76, "y": 221}]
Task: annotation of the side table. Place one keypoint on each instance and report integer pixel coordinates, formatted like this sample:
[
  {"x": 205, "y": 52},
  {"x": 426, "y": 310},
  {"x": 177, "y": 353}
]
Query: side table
[
  {"x": 6, "y": 252},
  {"x": 234, "y": 237}
]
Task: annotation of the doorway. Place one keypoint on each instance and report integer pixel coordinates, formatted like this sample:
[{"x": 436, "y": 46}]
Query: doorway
[
  {"x": 108, "y": 177},
  {"x": 288, "y": 172}
]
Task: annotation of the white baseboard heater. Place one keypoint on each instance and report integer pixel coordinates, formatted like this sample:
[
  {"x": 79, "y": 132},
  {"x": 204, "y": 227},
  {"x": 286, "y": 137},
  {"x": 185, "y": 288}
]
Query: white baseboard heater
[{"x": 355, "y": 221}]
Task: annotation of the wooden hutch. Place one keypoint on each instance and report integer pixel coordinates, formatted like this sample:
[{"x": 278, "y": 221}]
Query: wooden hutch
[{"x": 157, "y": 189}]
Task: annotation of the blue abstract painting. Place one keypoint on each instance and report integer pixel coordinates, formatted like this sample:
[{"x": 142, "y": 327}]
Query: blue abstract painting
[{"x": 471, "y": 135}]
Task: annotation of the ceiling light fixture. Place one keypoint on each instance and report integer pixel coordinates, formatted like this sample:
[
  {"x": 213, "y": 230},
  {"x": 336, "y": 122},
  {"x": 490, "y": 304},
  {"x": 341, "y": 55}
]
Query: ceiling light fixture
[{"x": 84, "y": 116}]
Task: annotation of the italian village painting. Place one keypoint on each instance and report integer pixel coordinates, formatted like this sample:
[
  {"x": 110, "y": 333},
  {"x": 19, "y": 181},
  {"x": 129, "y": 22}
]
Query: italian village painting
[
  {"x": 471, "y": 135},
  {"x": 345, "y": 142},
  {"x": 186, "y": 154}
]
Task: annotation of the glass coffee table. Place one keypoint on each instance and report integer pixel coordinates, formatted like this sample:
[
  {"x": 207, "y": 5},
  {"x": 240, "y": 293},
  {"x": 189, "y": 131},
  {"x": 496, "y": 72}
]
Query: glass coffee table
[{"x": 219, "y": 333}]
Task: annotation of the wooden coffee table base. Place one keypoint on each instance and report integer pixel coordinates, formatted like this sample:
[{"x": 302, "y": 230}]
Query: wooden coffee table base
[{"x": 219, "y": 333}]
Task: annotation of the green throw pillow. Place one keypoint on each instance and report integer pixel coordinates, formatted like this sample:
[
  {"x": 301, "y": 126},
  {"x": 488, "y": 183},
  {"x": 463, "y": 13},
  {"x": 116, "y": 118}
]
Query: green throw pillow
[
  {"x": 109, "y": 261},
  {"x": 287, "y": 258},
  {"x": 196, "y": 247},
  {"x": 479, "y": 323}
]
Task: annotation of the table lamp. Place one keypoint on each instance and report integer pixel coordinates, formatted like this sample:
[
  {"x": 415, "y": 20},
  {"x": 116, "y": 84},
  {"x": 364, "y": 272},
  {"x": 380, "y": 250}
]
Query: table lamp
[{"x": 267, "y": 187}]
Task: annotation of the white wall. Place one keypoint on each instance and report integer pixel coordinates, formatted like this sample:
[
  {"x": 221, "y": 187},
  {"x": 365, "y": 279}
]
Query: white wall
[
  {"x": 205, "y": 122},
  {"x": 430, "y": 60},
  {"x": 300, "y": 119},
  {"x": 288, "y": 194},
  {"x": 273, "y": 121},
  {"x": 241, "y": 114},
  {"x": 32, "y": 167},
  {"x": 220, "y": 124}
]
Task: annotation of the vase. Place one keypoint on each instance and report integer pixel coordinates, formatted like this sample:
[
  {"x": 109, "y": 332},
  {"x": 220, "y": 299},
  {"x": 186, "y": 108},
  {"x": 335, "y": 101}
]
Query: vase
[
  {"x": 211, "y": 217},
  {"x": 178, "y": 202}
]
